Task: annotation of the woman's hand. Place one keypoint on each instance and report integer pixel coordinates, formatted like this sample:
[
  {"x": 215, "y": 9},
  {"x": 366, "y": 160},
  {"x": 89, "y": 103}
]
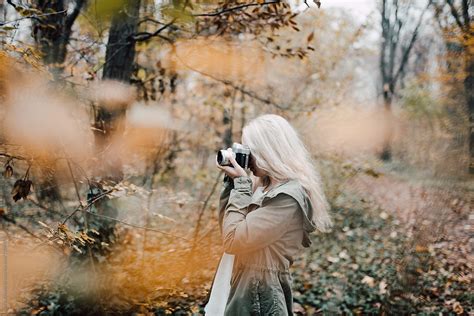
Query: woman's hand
[{"x": 236, "y": 171}]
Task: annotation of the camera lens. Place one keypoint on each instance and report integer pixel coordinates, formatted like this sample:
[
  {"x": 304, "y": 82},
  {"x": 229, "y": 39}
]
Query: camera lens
[{"x": 220, "y": 157}]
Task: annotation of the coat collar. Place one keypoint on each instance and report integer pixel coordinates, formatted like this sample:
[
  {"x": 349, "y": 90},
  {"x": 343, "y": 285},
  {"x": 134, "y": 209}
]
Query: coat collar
[{"x": 295, "y": 190}]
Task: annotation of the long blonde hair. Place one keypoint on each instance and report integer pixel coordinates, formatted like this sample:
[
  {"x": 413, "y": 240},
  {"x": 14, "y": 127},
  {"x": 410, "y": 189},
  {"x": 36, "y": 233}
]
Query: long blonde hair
[{"x": 279, "y": 151}]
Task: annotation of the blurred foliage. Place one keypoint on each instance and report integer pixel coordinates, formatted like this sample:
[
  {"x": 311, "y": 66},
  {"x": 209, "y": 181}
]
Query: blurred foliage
[
  {"x": 199, "y": 80},
  {"x": 177, "y": 13},
  {"x": 104, "y": 9},
  {"x": 420, "y": 102}
]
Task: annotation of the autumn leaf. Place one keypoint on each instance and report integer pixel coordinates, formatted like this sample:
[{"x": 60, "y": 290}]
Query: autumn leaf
[
  {"x": 370, "y": 281},
  {"x": 457, "y": 308},
  {"x": 21, "y": 189},
  {"x": 8, "y": 171}
]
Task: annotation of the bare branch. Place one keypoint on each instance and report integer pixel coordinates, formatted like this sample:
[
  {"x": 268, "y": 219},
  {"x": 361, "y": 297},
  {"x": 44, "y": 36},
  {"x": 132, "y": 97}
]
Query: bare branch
[
  {"x": 239, "y": 7},
  {"x": 75, "y": 13},
  {"x": 12, "y": 4},
  {"x": 136, "y": 226},
  {"x": 12, "y": 157},
  {"x": 143, "y": 36},
  {"x": 23, "y": 227},
  {"x": 80, "y": 207},
  {"x": 455, "y": 14},
  {"x": 148, "y": 19},
  {"x": 384, "y": 40},
  {"x": 244, "y": 91},
  {"x": 34, "y": 16},
  {"x": 203, "y": 208},
  {"x": 76, "y": 187},
  {"x": 465, "y": 14},
  {"x": 408, "y": 49}
]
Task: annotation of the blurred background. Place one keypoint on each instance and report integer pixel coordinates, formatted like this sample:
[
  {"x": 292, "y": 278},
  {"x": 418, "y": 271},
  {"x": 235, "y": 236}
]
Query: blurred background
[{"x": 112, "y": 112}]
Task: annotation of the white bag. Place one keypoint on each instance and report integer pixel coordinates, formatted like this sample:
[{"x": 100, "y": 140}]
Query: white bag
[{"x": 221, "y": 287}]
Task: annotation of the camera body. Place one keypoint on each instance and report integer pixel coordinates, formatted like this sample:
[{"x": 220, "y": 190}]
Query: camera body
[{"x": 241, "y": 154}]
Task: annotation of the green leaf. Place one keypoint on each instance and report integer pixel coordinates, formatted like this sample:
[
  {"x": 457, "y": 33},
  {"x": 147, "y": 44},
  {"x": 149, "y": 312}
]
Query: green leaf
[
  {"x": 8, "y": 28},
  {"x": 178, "y": 14},
  {"x": 104, "y": 8}
]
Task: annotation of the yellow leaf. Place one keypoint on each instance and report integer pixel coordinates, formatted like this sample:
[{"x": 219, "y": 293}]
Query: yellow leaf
[{"x": 141, "y": 74}]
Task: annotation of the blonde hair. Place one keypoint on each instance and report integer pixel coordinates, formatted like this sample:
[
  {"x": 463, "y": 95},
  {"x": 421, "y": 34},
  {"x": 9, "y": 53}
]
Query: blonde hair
[{"x": 279, "y": 151}]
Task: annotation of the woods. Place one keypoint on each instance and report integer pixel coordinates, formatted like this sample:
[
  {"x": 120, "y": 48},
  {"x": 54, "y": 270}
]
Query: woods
[{"x": 112, "y": 113}]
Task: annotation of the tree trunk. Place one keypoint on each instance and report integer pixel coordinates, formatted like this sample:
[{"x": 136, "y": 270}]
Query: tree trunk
[
  {"x": 386, "y": 153},
  {"x": 3, "y": 12},
  {"x": 119, "y": 60},
  {"x": 120, "y": 55},
  {"x": 228, "y": 120},
  {"x": 387, "y": 62},
  {"x": 392, "y": 69},
  {"x": 469, "y": 86},
  {"x": 120, "y": 52},
  {"x": 53, "y": 31}
]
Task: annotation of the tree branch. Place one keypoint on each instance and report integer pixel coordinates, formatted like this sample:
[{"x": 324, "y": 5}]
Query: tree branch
[
  {"x": 12, "y": 4},
  {"x": 12, "y": 157},
  {"x": 239, "y": 7},
  {"x": 75, "y": 13},
  {"x": 143, "y": 36},
  {"x": 407, "y": 51},
  {"x": 465, "y": 13},
  {"x": 238, "y": 88},
  {"x": 203, "y": 208},
  {"x": 14, "y": 222},
  {"x": 80, "y": 207},
  {"x": 148, "y": 19},
  {"x": 137, "y": 226},
  {"x": 34, "y": 16},
  {"x": 384, "y": 42},
  {"x": 455, "y": 14}
]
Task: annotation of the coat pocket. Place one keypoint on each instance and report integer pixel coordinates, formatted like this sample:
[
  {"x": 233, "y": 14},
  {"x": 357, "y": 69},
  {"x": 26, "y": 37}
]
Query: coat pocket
[{"x": 270, "y": 297}]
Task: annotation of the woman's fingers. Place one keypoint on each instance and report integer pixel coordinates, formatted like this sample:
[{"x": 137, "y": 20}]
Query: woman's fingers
[
  {"x": 228, "y": 170},
  {"x": 238, "y": 169},
  {"x": 232, "y": 171},
  {"x": 232, "y": 161}
]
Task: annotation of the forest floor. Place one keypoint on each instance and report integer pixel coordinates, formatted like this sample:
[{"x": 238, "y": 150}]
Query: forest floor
[
  {"x": 408, "y": 243},
  {"x": 399, "y": 246},
  {"x": 436, "y": 212}
]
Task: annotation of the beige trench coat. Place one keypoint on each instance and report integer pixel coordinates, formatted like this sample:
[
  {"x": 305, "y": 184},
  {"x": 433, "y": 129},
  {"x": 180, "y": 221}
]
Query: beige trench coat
[{"x": 265, "y": 232}]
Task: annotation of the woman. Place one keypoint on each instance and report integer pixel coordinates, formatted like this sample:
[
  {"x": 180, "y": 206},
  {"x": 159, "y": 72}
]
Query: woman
[{"x": 265, "y": 220}]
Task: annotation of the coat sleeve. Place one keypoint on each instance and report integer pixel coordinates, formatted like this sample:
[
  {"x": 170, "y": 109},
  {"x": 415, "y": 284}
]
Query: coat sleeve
[
  {"x": 227, "y": 186},
  {"x": 245, "y": 232}
]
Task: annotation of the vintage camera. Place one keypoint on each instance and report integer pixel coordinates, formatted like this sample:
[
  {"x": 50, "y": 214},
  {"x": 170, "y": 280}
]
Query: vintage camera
[{"x": 241, "y": 154}]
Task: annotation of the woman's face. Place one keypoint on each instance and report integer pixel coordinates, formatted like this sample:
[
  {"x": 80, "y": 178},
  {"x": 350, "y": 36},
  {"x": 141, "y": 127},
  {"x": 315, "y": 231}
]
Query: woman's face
[
  {"x": 253, "y": 167},
  {"x": 253, "y": 164}
]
